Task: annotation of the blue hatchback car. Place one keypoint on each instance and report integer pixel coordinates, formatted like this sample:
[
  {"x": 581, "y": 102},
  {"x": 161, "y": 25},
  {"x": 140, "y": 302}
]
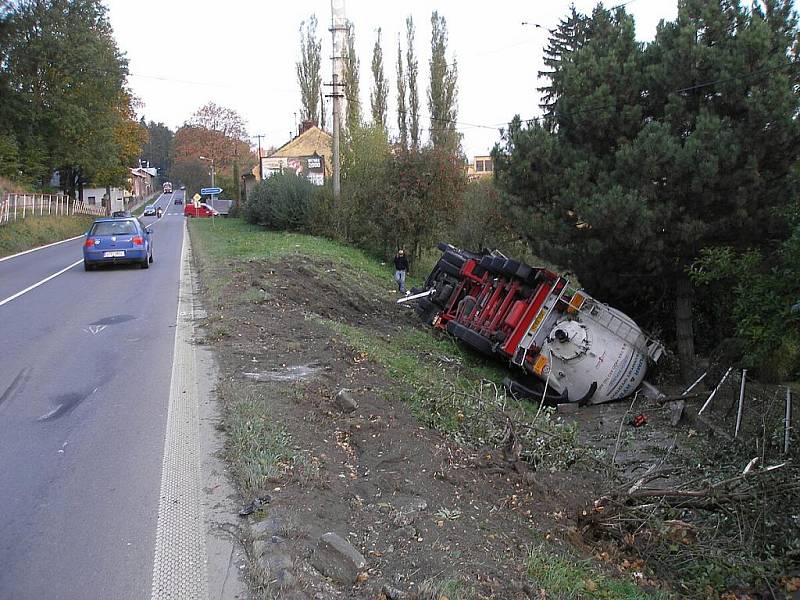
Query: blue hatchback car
[{"x": 121, "y": 240}]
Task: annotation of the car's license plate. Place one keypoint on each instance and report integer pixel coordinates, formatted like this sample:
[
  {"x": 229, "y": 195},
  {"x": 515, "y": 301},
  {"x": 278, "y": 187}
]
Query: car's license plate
[{"x": 114, "y": 254}]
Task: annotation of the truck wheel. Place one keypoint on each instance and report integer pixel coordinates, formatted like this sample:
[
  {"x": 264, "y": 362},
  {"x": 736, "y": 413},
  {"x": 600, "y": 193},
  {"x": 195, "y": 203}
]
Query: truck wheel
[
  {"x": 454, "y": 259},
  {"x": 446, "y": 267}
]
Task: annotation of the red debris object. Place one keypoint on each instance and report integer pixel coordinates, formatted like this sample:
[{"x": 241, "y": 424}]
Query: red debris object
[{"x": 639, "y": 420}]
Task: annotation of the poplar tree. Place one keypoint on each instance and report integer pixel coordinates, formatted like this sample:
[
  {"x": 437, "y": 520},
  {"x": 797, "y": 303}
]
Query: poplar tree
[
  {"x": 413, "y": 92},
  {"x": 351, "y": 70},
  {"x": 308, "y": 71},
  {"x": 380, "y": 86},
  {"x": 443, "y": 89},
  {"x": 402, "y": 112}
]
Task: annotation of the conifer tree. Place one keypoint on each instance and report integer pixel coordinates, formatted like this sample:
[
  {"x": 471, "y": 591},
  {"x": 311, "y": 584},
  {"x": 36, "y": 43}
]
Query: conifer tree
[
  {"x": 567, "y": 37},
  {"x": 660, "y": 152}
]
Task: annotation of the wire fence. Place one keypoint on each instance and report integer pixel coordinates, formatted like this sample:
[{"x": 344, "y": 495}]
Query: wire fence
[{"x": 757, "y": 415}]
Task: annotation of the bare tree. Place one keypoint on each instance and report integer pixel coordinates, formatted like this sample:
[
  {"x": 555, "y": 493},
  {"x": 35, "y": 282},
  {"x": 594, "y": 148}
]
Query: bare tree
[{"x": 308, "y": 71}]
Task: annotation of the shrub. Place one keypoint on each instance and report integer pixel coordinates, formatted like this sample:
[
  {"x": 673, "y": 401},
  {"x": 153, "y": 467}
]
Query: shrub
[{"x": 281, "y": 202}]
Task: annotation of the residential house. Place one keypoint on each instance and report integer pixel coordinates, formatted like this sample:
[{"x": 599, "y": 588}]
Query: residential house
[
  {"x": 142, "y": 181},
  {"x": 308, "y": 155},
  {"x": 481, "y": 167},
  {"x": 99, "y": 196}
]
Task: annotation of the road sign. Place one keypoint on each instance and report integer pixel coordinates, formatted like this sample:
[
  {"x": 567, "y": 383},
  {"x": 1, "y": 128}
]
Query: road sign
[
  {"x": 197, "y": 197},
  {"x": 212, "y": 191}
]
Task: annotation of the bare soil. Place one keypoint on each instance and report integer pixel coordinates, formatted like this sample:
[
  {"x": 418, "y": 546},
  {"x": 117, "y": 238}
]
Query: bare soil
[
  {"x": 419, "y": 507},
  {"x": 432, "y": 518}
]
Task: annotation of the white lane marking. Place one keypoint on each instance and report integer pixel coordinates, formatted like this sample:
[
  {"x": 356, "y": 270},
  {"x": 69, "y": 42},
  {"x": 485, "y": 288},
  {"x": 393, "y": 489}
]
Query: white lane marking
[
  {"x": 38, "y": 283},
  {"x": 40, "y": 248},
  {"x": 179, "y": 565}
]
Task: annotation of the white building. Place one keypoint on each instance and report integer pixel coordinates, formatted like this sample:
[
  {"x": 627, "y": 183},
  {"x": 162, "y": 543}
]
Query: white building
[{"x": 97, "y": 197}]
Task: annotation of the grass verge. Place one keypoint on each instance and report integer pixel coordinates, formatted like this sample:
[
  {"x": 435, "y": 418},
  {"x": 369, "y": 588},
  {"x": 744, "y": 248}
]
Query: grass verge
[
  {"x": 569, "y": 579},
  {"x": 31, "y": 232},
  {"x": 260, "y": 451}
]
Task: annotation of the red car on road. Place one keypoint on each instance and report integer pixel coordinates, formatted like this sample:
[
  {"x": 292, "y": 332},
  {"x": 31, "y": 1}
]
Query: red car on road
[{"x": 203, "y": 210}]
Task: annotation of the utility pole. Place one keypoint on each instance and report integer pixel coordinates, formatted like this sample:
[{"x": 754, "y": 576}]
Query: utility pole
[
  {"x": 260, "y": 163},
  {"x": 338, "y": 29}
]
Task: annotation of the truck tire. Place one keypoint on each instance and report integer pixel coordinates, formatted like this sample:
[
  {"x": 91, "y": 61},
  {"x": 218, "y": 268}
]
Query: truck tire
[
  {"x": 470, "y": 337},
  {"x": 454, "y": 259},
  {"x": 510, "y": 267},
  {"x": 449, "y": 268}
]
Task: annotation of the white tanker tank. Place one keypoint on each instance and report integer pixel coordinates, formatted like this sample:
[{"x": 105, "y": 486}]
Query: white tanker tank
[{"x": 599, "y": 353}]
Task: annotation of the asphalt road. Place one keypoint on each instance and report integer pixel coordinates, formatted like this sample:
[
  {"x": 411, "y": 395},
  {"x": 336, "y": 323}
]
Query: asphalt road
[{"x": 84, "y": 386}]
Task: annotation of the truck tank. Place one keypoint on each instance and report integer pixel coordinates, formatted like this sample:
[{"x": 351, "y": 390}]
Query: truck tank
[{"x": 567, "y": 345}]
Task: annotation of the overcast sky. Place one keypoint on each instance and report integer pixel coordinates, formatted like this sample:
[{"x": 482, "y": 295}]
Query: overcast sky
[{"x": 242, "y": 53}]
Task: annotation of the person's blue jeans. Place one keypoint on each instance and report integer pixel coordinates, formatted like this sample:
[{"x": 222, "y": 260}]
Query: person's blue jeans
[{"x": 400, "y": 278}]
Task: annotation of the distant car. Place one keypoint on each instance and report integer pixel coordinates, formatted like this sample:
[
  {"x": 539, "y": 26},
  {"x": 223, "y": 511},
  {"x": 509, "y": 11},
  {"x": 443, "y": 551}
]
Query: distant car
[
  {"x": 117, "y": 240},
  {"x": 149, "y": 210},
  {"x": 204, "y": 210},
  {"x": 121, "y": 213},
  {"x": 183, "y": 187},
  {"x": 178, "y": 200}
]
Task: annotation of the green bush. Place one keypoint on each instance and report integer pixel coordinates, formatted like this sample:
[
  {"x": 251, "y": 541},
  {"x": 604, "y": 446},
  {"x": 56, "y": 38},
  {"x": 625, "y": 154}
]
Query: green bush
[
  {"x": 282, "y": 202},
  {"x": 760, "y": 290}
]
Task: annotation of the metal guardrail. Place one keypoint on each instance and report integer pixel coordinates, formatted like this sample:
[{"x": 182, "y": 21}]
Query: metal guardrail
[{"x": 20, "y": 206}]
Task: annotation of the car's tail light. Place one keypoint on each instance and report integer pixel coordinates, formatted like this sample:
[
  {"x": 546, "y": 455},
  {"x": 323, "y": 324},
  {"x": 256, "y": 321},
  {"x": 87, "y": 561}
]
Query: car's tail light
[
  {"x": 137, "y": 240},
  {"x": 90, "y": 242}
]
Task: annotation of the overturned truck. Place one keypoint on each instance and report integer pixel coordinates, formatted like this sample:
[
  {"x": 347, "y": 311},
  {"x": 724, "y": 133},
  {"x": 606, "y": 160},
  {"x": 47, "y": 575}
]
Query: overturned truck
[{"x": 569, "y": 346}]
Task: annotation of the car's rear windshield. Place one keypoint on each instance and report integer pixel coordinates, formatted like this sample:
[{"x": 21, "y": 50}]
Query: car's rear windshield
[{"x": 113, "y": 228}]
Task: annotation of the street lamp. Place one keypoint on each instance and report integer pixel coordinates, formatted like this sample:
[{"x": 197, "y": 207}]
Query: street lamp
[{"x": 212, "y": 167}]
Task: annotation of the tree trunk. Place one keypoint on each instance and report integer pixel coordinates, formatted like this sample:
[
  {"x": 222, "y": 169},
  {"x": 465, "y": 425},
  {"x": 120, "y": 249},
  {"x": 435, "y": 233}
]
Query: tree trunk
[
  {"x": 237, "y": 182},
  {"x": 683, "y": 326}
]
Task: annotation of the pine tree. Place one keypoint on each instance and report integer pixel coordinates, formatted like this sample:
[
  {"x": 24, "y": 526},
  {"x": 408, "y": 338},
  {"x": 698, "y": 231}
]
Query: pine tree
[
  {"x": 402, "y": 112},
  {"x": 443, "y": 89},
  {"x": 567, "y": 37},
  {"x": 308, "y": 71},
  {"x": 661, "y": 152},
  {"x": 413, "y": 92},
  {"x": 380, "y": 90}
]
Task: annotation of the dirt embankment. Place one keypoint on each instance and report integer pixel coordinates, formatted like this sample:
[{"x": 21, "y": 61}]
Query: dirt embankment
[
  {"x": 353, "y": 496},
  {"x": 424, "y": 512}
]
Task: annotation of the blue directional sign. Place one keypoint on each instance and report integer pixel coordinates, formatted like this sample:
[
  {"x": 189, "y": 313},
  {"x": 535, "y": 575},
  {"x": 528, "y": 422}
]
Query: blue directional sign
[{"x": 215, "y": 191}]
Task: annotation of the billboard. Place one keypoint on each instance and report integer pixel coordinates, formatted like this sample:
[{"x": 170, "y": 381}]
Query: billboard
[{"x": 311, "y": 167}]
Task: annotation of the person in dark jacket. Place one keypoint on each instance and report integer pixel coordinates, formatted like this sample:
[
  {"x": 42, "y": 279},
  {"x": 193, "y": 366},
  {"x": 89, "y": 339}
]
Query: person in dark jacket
[{"x": 400, "y": 268}]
